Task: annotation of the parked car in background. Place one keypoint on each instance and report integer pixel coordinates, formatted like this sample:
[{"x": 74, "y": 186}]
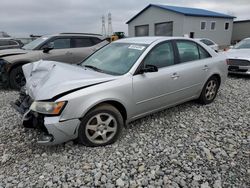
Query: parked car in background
[
  {"x": 239, "y": 58},
  {"x": 121, "y": 82},
  {"x": 209, "y": 43},
  {"x": 9, "y": 43},
  {"x": 65, "y": 47}
]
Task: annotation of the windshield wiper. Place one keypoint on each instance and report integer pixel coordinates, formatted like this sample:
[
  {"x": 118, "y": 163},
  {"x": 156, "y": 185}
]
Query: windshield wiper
[{"x": 94, "y": 68}]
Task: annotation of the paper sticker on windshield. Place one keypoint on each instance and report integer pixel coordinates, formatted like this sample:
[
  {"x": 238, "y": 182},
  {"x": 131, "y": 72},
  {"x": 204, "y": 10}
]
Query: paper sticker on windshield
[{"x": 136, "y": 47}]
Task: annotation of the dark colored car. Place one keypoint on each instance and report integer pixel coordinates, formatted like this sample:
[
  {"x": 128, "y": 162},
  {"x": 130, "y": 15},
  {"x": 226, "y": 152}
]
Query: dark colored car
[
  {"x": 9, "y": 43},
  {"x": 65, "y": 47}
]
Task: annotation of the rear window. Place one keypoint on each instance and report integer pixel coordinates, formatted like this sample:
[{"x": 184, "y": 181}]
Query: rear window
[
  {"x": 207, "y": 42},
  {"x": 96, "y": 40},
  {"x": 11, "y": 42},
  {"x": 188, "y": 51},
  {"x": 81, "y": 42}
]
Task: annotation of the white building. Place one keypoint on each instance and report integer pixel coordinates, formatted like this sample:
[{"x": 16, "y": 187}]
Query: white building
[
  {"x": 164, "y": 20},
  {"x": 241, "y": 30}
]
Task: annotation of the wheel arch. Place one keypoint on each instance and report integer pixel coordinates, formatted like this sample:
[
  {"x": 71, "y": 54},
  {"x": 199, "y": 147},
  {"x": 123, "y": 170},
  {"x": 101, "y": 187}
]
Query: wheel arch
[
  {"x": 118, "y": 105},
  {"x": 17, "y": 64},
  {"x": 217, "y": 76}
]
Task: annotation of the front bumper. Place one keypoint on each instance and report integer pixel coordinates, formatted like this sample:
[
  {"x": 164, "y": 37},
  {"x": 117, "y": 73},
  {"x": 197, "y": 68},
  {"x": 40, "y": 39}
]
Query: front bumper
[
  {"x": 53, "y": 131},
  {"x": 244, "y": 70}
]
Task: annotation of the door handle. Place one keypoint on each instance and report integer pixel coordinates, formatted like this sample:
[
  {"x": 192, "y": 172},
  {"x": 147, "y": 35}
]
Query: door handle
[
  {"x": 205, "y": 68},
  {"x": 175, "y": 76}
]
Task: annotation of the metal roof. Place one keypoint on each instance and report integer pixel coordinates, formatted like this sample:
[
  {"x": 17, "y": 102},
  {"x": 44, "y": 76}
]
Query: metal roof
[
  {"x": 241, "y": 21},
  {"x": 186, "y": 11}
]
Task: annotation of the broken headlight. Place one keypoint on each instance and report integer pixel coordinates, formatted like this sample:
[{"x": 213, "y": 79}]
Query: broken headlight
[{"x": 49, "y": 108}]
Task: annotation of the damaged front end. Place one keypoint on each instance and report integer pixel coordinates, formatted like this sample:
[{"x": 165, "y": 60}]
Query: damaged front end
[
  {"x": 43, "y": 103},
  {"x": 53, "y": 131},
  {"x": 31, "y": 119}
]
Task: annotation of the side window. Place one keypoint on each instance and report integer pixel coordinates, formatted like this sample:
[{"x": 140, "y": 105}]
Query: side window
[
  {"x": 13, "y": 43},
  {"x": 161, "y": 56},
  {"x": 207, "y": 42},
  {"x": 203, "y": 53},
  {"x": 226, "y": 25},
  {"x": 188, "y": 51},
  {"x": 213, "y": 25},
  {"x": 61, "y": 43},
  {"x": 4, "y": 43},
  {"x": 81, "y": 42},
  {"x": 203, "y": 25},
  {"x": 1, "y": 43},
  {"x": 96, "y": 40}
]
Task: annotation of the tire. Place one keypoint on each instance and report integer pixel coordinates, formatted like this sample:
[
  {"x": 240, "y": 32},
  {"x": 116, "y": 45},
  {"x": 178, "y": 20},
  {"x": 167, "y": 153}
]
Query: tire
[
  {"x": 17, "y": 79},
  {"x": 101, "y": 126},
  {"x": 209, "y": 91}
]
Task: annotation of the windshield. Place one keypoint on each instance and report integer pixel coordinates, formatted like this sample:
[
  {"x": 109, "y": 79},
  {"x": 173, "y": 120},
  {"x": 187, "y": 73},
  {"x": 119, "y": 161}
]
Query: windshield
[
  {"x": 32, "y": 45},
  {"x": 243, "y": 44},
  {"x": 115, "y": 58}
]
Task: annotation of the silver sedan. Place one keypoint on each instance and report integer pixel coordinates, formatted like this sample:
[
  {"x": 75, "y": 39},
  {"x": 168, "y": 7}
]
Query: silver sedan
[
  {"x": 128, "y": 79},
  {"x": 239, "y": 58}
]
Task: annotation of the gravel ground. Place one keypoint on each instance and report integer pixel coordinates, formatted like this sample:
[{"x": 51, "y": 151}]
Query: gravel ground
[{"x": 186, "y": 146}]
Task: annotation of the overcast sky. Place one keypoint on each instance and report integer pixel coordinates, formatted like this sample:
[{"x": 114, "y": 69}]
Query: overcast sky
[{"x": 21, "y": 18}]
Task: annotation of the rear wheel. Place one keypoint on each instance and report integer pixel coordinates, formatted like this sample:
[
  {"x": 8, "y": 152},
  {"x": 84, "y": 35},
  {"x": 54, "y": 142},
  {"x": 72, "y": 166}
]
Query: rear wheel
[
  {"x": 17, "y": 79},
  {"x": 101, "y": 126},
  {"x": 209, "y": 91}
]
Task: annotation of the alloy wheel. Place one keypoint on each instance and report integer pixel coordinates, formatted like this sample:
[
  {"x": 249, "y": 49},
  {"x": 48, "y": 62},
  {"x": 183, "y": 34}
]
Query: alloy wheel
[
  {"x": 101, "y": 128},
  {"x": 211, "y": 90}
]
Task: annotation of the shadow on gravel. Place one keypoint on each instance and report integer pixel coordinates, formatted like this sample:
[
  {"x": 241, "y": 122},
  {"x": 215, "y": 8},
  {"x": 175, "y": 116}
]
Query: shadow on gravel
[{"x": 237, "y": 76}]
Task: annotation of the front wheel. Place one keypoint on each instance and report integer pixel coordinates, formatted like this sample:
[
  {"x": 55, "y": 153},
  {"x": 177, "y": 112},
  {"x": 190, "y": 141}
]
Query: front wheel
[
  {"x": 101, "y": 126},
  {"x": 17, "y": 79},
  {"x": 209, "y": 91}
]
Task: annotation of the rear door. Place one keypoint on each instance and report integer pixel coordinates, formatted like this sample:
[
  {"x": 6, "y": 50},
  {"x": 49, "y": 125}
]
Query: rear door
[
  {"x": 191, "y": 72},
  {"x": 81, "y": 47}
]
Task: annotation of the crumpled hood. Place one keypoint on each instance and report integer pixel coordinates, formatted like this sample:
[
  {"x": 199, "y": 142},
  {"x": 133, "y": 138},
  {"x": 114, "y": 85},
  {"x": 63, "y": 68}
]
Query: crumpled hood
[
  {"x": 9, "y": 52},
  {"x": 46, "y": 79},
  {"x": 238, "y": 54}
]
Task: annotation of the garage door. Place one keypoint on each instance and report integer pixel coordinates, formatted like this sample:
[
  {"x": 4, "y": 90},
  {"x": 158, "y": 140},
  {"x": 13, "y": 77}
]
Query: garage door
[{"x": 164, "y": 29}]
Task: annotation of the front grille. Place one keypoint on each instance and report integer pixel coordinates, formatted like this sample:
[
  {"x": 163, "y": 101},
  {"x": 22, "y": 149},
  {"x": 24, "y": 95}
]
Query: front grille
[
  {"x": 236, "y": 69},
  {"x": 238, "y": 62}
]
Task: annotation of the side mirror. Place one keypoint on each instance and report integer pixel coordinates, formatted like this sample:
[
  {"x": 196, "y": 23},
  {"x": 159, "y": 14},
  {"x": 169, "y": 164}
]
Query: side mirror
[
  {"x": 48, "y": 47},
  {"x": 149, "y": 68}
]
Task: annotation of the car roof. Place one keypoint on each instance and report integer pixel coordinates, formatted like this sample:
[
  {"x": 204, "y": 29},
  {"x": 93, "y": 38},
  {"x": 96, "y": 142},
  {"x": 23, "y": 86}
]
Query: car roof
[
  {"x": 147, "y": 40},
  {"x": 75, "y": 35},
  {"x": 81, "y": 34},
  {"x": 6, "y": 38}
]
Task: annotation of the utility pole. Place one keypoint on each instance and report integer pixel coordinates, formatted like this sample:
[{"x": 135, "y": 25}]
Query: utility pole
[
  {"x": 103, "y": 26},
  {"x": 110, "y": 29}
]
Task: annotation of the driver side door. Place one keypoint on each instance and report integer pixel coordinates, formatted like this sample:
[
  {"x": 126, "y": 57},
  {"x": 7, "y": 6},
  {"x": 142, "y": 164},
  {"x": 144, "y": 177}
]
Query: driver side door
[
  {"x": 60, "y": 51},
  {"x": 152, "y": 90}
]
